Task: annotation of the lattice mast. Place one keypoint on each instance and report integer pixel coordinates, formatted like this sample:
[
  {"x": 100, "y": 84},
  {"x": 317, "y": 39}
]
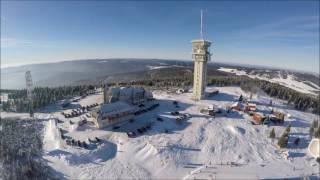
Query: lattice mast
[
  {"x": 29, "y": 85},
  {"x": 105, "y": 92}
]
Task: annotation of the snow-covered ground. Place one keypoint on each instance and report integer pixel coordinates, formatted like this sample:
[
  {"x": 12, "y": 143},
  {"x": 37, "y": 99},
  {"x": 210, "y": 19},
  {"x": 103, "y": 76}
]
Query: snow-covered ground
[
  {"x": 156, "y": 67},
  {"x": 290, "y": 81},
  {"x": 201, "y": 147},
  {"x": 162, "y": 66}
]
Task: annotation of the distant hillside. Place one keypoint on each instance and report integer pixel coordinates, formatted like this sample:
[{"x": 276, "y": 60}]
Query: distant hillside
[
  {"x": 114, "y": 70},
  {"x": 302, "y": 82},
  {"x": 68, "y": 72}
]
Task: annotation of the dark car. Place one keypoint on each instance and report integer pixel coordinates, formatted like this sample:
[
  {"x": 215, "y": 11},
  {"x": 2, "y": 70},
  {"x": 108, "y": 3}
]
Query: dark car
[
  {"x": 84, "y": 144},
  {"x": 116, "y": 127},
  {"x": 68, "y": 141},
  {"x": 140, "y": 131},
  {"x": 79, "y": 143},
  {"x": 97, "y": 139},
  {"x": 159, "y": 119},
  {"x": 175, "y": 113},
  {"x": 80, "y": 123},
  {"x": 131, "y": 134}
]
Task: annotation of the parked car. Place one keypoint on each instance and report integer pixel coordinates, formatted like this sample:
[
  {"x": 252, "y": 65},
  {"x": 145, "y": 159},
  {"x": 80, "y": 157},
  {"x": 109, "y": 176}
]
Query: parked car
[
  {"x": 175, "y": 113},
  {"x": 131, "y": 134},
  {"x": 148, "y": 126},
  {"x": 68, "y": 142},
  {"x": 140, "y": 131},
  {"x": 82, "y": 122},
  {"x": 98, "y": 140},
  {"x": 79, "y": 143}
]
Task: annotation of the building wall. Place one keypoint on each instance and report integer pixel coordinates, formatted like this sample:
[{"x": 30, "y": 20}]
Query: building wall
[
  {"x": 102, "y": 123},
  {"x": 131, "y": 95}
]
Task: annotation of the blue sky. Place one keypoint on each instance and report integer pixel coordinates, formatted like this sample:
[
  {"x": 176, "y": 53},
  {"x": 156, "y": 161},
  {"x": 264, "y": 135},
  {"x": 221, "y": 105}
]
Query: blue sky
[{"x": 276, "y": 33}]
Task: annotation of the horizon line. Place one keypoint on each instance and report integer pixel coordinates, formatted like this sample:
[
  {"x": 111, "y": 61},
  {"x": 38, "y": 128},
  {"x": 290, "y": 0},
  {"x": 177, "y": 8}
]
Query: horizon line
[{"x": 166, "y": 59}]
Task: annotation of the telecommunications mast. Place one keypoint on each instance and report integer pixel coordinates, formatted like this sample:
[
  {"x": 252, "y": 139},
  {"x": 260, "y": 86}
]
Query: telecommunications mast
[{"x": 29, "y": 85}]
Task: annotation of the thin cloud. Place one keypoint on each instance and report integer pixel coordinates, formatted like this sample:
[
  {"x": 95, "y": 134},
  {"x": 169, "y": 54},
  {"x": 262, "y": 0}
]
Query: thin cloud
[
  {"x": 294, "y": 27},
  {"x": 14, "y": 43}
]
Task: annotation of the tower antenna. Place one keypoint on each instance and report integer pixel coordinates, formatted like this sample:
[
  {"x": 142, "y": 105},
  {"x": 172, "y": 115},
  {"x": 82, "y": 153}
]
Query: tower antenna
[
  {"x": 29, "y": 85},
  {"x": 201, "y": 24}
]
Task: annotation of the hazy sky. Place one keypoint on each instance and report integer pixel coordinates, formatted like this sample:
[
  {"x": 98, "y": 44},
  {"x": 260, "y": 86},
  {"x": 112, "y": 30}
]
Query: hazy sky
[{"x": 275, "y": 33}]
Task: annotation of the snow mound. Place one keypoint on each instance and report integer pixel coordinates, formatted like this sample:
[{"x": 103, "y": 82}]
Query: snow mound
[
  {"x": 52, "y": 135},
  {"x": 104, "y": 152},
  {"x": 147, "y": 151},
  {"x": 73, "y": 127},
  {"x": 236, "y": 130}
]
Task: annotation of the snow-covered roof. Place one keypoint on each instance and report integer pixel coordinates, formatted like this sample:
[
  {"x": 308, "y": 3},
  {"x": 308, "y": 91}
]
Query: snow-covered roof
[
  {"x": 235, "y": 104},
  {"x": 200, "y": 41},
  {"x": 115, "y": 91},
  {"x": 259, "y": 113},
  {"x": 212, "y": 90},
  {"x": 126, "y": 91},
  {"x": 116, "y": 106}
]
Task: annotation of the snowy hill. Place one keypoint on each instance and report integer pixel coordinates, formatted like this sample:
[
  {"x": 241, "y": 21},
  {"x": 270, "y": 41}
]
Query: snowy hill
[
  {"x": 224, "y": 147},
  {"x": 288, "y": 79}
]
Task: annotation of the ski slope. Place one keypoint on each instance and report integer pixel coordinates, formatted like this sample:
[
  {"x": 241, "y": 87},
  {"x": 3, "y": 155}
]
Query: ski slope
[{"x": 290, "y": 81}]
